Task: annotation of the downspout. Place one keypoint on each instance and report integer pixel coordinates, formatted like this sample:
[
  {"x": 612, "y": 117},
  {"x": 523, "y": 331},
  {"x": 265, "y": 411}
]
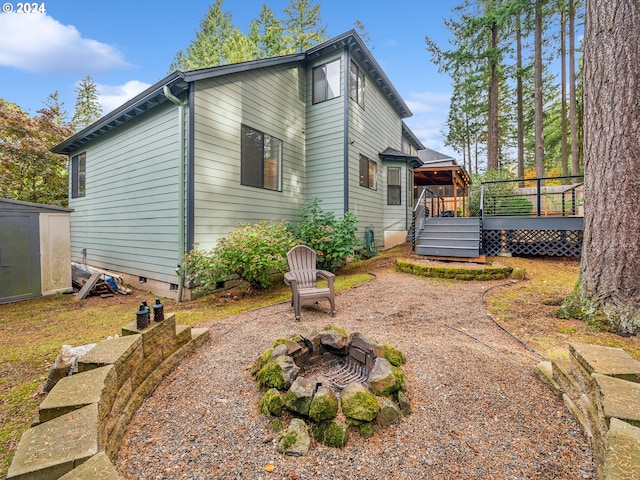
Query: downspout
[
  {"x": 345, "y": 136},
  {"x": 181, "y": 189},
  {"x": 406, "y": 208}
]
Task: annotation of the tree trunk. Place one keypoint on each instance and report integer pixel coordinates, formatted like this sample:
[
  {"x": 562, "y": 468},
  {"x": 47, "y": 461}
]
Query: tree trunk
[
  {"x": 519, "y": 100},
  {"x": 573, "y": 114},
  {"x": 563, "y": 80},
  {"x": 466, "y": 119},
  {"x": 610, "y": 266},
  {"x": 492, "y": 130},
  {"x": 538, "y": 103}
]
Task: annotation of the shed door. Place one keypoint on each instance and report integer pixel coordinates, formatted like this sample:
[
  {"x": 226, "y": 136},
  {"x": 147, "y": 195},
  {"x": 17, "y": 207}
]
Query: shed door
[{"x": 19, "y": 256}]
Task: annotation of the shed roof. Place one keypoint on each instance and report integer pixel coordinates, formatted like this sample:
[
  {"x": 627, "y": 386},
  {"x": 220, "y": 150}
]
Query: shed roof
[
  {"x": 178, "y": 83},
  {"x": 8, "y": 205}
]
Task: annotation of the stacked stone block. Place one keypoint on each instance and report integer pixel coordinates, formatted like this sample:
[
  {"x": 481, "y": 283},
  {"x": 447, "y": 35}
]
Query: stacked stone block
[
  {"x": 601, "y": 387},
  {"x": 81, "y": 422}
]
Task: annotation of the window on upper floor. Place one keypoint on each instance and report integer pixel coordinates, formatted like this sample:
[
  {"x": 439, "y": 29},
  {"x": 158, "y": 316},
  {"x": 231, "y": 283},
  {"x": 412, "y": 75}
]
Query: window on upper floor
[
  {"x": 78, "y": 175},
  {"x": 394, "y": 187},
  {"x": 367, "y": 173},
  {"x": 326, "y": 81},
  {"x": 356, "y": 84},
  {"x": 261, "y": 159}
]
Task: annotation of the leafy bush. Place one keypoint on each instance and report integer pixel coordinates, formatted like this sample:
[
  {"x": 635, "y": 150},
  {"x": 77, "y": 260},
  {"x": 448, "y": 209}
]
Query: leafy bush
[
  {"x": 252, "y": 252},
  {"x": 491, "y": 190},
  {"x": 334, "y": 240},
  {"x": 514, "y": 206}
]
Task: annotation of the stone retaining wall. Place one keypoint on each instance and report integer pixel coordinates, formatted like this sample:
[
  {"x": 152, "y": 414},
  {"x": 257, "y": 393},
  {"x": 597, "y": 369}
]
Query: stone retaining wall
[
  {"x": 600, "y": 385},
  {"x": 82, "y": 420}
]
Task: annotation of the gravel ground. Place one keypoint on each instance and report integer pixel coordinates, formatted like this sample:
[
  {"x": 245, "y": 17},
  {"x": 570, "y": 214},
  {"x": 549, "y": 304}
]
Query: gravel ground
[{"x": 479, "y": 410}]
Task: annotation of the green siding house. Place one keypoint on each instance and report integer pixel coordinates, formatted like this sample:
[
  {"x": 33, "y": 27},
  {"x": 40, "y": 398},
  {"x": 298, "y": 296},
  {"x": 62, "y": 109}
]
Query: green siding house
[{"x": 198, "y": 152}]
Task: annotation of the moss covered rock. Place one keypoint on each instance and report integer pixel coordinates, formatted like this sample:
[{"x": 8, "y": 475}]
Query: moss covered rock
[
  {"x": 389, "y": 413},
  {"x": 334, "y": 340},
  {"x": 404, "y": 403},
  {"x": 299, "y": 397},
  {"x": 393, "y": 355},
  {"x": 359, "y": 403},
  {"x": 324, "y": 405},
  {"x": 279, "y": 373},
  {"x": 384, "y": 378},
  {"x": 295, "y": 439},
  {"x": 367, "y": 430},
  {"x": 518, "y": 273},
  {"x": 331, "y": 434},
  {"x": 271, "y": 403},
  {"x": 261, "y": 361}
]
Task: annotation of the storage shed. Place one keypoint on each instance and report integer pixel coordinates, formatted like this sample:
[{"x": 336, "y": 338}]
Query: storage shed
[{"x": 35, "y": 250}]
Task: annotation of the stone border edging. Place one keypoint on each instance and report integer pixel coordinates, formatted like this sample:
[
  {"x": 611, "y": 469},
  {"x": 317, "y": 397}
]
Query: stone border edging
[
  {"x": 83, "y": 419},
  {"x": 601, "y": 387},
  {"x": 484, "y": 272}
]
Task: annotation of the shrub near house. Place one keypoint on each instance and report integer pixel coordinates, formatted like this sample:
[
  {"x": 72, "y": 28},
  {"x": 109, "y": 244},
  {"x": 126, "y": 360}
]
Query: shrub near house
[{"x": 255, "y": 252}]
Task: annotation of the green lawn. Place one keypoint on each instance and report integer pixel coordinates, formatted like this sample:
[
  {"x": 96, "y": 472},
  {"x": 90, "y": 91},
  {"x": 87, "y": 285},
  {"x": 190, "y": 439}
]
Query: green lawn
[{"x": 32, "y": 333}]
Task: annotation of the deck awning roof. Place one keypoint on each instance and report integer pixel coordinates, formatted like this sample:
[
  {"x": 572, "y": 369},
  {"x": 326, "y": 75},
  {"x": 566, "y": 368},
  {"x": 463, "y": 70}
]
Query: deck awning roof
[
  {"x": 393, "y": 155},
  {"x": 440, "y": 175}
]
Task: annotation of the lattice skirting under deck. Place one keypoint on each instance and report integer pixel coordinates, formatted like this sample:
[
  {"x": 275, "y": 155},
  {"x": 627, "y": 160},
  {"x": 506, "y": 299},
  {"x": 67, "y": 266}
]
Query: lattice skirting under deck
[{"x": 559, "y": 243}]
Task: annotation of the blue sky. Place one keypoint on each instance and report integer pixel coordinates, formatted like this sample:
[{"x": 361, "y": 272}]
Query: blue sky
[{"x": 127, "y": 45}]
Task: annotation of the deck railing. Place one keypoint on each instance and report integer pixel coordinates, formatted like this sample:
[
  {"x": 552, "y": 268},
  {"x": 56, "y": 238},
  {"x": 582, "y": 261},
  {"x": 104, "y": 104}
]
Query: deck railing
[
  {"x": 563, "y": 198},
  {"x": 429, "y": 204}
]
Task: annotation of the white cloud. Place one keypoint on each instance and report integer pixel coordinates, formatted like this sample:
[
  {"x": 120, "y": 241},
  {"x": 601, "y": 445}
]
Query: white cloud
[
  {"x": 428, "y": 123},
  {"x": 112, "y": 96},
  {"x": 38, "y": 43},
  {"x": 427, "y": 102}
]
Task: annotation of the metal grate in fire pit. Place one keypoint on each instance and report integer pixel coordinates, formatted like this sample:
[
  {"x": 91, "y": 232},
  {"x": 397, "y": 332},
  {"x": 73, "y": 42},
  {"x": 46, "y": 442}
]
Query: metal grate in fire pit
[{"x": 340, "y": 373}]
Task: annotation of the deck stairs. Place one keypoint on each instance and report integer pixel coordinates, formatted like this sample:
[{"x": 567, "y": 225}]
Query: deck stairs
[{"x": 456, "y": 237}]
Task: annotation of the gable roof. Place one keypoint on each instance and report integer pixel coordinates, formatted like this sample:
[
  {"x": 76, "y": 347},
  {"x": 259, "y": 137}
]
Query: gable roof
[
  {"x": 178, "y": 83},
  {"x": 364, "y": 56}
]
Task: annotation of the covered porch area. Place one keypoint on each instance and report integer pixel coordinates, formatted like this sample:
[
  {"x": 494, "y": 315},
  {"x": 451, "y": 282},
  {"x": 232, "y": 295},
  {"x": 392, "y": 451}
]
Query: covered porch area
[{"x": 446, "y": 179}]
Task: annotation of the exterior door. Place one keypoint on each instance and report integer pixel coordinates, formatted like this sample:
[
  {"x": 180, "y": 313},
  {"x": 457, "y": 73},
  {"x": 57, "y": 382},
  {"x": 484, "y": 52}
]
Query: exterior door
[{"x": 19, "y": 256}]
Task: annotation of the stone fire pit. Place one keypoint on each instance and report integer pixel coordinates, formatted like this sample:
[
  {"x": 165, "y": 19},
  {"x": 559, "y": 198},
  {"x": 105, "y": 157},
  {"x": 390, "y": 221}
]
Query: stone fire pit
[{"x": 333, "y": 381}]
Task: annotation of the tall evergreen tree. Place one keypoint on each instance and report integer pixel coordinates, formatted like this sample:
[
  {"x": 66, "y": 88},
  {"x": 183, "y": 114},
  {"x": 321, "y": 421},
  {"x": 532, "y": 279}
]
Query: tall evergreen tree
[
  {"x": 573, "y": 101},
  {"x": 56, "y": 107},
  {"x": 88, "y": 109},
  {"x": 219, "y": 42},
  {"x": 209, "y": 48},
  {"x": 267, "y": 33},
  {"x": 610, "y": 262},
  {"x": 538, "y": 100},
  {"x": 303, "y": 25},
  {"x": 563, "y": 83}
]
